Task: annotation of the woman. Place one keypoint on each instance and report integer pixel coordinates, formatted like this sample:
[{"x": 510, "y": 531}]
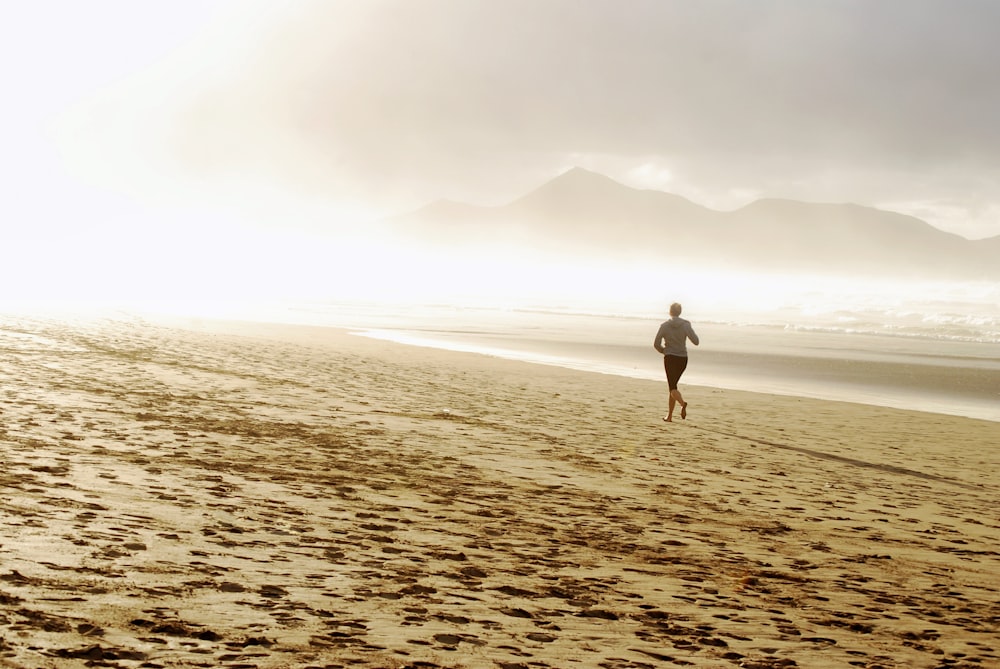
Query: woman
[{"x": 671, "y": 342}]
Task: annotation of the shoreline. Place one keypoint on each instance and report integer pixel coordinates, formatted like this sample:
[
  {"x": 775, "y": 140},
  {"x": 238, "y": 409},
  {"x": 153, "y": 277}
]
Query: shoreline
[
  {"x": 940, "y": 389},
  {"x": 266, "y": 495},
  {"x": 955, "y": 378}
]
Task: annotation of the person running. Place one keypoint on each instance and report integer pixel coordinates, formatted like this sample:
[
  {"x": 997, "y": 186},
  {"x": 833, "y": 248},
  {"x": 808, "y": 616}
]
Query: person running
[{"x": 671, "y": 342}]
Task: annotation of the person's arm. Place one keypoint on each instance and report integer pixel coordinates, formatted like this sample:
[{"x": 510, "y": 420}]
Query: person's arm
[
  {"x": 658, "y": 342},
  {"x": 691, "y": 335}
]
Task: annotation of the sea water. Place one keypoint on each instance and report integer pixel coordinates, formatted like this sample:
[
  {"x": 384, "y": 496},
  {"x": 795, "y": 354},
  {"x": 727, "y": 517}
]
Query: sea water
[{"x": 936, "y": 349}]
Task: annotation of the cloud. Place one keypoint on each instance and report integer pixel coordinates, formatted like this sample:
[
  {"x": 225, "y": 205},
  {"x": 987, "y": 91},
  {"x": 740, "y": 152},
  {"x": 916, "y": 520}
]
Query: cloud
[{"x": 396, "y": 102}]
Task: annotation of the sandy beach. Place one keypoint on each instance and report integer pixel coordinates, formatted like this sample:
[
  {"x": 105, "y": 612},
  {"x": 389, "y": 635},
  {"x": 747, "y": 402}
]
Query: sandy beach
[{"x": 205, "y": 494}]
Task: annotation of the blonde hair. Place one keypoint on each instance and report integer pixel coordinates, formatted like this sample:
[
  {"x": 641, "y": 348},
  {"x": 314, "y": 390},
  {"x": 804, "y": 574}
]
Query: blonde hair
[{"x": 675, "y": 309}]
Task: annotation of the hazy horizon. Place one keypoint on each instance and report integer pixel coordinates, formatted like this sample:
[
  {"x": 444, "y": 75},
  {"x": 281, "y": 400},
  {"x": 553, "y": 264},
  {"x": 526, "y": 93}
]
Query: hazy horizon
[{"x": 222, "y": 150}]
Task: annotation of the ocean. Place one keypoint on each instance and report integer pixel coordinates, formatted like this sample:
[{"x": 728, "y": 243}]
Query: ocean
[{"x": 929, "y": 347}]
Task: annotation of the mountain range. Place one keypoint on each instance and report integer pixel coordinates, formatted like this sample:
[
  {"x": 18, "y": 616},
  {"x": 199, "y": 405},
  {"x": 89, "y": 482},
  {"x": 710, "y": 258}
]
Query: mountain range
[{"x": 582, "y": 214}]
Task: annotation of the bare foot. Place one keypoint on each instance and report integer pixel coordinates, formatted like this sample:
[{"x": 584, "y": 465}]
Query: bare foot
[
  {"x": 668, "y": 419},
  {"x": 684, "y": 410}
]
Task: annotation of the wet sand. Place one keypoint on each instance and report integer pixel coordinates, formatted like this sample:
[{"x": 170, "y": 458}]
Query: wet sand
[{"x": 235, "y": 495}]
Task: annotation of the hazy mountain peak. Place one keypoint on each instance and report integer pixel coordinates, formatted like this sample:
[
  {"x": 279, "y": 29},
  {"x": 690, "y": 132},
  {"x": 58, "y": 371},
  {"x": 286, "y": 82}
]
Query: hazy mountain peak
[
  {"x": 578, "y": 182},
  {"x": 592, "y": 215},
  {"x": 580, "y": 175},
  {"x": 586, "y": 194}
]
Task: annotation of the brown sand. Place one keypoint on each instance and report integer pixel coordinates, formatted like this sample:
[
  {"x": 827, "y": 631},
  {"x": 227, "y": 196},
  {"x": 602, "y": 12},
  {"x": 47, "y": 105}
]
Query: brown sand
[{"x": 297, "y": 497}]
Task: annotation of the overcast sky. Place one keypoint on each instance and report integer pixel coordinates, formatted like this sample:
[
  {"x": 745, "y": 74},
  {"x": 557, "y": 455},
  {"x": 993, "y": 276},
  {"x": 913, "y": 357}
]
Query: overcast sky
[{"x": 370, "y": 107}]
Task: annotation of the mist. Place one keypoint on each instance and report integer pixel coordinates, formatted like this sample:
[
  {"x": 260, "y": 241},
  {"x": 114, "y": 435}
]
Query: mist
[{"x": 237, "y": 153}]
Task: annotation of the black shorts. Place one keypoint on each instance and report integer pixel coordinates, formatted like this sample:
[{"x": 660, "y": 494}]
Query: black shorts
[{"x": 674, "y": 366}]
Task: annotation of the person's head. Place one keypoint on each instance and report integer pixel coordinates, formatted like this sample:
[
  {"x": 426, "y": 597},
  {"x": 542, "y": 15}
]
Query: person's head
[{"x": 675, "y": 309}]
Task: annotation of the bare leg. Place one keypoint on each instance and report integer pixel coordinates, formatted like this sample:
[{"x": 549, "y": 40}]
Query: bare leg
[
  {"x": 670, "y": 408},
  {"x": 675, "y": 396}
]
